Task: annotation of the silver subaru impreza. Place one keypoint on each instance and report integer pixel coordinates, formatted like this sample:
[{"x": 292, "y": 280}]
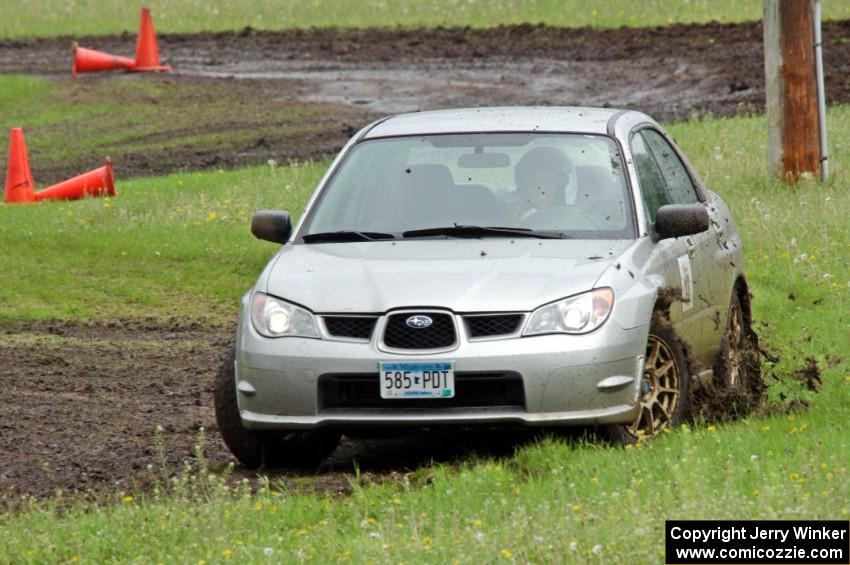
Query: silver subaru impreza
[{"x": 536, "y": 266}]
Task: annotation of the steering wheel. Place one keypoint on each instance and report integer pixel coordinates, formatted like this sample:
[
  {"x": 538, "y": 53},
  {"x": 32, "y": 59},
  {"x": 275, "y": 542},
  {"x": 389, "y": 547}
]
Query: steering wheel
[{"x": 561, "y": 218}]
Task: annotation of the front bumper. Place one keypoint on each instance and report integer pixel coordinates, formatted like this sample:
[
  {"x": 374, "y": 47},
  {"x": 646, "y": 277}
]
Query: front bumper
[{"x": 566, "y": 380}]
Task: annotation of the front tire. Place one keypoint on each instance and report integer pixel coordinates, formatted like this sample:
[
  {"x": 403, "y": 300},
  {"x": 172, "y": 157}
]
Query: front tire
[
  {"x": 246, "y": 445},
  {"x": 664, "y": 389},
  {"x": 273, "y": 449}
]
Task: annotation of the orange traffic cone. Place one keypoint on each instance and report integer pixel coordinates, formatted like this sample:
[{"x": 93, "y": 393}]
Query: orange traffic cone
[
  {"x": 19, "y": 185},
  {"x": 147, "y": 52},
  {"x": 99, "y": 182},
  {"x": 91, "y": 61}
]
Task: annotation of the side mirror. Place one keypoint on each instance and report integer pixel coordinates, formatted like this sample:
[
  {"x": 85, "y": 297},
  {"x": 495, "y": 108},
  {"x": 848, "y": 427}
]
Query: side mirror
[
  {"x": 271, "y": 225},
  {"x": 677, "y": 220}
]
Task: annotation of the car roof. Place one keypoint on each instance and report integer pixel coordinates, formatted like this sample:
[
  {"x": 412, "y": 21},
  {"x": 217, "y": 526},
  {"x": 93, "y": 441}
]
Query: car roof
[{"x": 518, "y": 118}]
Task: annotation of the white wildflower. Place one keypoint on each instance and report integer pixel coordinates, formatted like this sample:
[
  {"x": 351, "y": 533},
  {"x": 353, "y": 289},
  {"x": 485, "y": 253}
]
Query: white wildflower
[{"x": 597, "y": 549}]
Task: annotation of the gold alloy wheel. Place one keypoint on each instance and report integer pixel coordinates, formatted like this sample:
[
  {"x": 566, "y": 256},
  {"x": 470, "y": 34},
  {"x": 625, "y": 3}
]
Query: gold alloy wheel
[
  {"x": 661, "y": 383},
  {"x": 733, "y": 347}
]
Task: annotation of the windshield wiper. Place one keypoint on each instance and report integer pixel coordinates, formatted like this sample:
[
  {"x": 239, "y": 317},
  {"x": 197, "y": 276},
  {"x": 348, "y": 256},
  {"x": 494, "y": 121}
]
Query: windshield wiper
[
  {"x": 478, "y": 231},
  {"x": 346, "y": 235}
]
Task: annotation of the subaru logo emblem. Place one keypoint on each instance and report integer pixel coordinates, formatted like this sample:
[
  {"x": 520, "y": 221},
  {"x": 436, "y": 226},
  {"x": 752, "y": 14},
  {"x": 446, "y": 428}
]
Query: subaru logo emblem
[{"x": 419, "y": 322}]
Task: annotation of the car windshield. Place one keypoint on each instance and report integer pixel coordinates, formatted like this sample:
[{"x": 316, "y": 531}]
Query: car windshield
[{"x": 439, "y": 186}]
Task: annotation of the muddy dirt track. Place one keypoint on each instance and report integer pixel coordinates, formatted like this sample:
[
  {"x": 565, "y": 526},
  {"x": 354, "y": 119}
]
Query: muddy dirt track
[
  {"x": 81, "y": 402},
  {"x": 671, "y": 72}
]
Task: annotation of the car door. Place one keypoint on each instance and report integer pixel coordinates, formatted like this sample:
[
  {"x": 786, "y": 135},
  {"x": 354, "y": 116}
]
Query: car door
[{"x": 688, "y": 260}]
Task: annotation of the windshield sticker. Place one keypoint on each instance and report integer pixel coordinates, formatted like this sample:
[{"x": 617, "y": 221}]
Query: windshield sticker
[{"x": 687, "y": 282}]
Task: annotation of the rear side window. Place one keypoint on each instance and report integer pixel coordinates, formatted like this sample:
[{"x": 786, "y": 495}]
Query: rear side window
[
  {"x": 682, "y": 190},
  {"x": 652, "y": 185}
]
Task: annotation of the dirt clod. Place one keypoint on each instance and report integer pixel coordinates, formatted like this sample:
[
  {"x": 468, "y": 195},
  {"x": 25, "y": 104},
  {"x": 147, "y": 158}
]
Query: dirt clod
[{"x": 809, "y": 375}]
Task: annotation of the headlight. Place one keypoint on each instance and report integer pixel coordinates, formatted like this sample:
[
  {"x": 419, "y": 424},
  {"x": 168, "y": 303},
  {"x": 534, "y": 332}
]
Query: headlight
[
  {"x": 578, "y": 314},
  {"x": 273, "y": 317}
]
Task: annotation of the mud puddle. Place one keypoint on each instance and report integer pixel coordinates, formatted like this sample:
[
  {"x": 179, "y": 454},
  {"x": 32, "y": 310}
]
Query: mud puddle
[{"x": 498, "y": 81}]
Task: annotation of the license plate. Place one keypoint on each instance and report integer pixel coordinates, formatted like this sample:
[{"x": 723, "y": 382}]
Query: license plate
[{"x": 417, "y": 380}]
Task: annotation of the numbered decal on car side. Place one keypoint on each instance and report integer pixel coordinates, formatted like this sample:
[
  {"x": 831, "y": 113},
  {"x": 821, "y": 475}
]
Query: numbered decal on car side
[{"x": 687, "y": 283}]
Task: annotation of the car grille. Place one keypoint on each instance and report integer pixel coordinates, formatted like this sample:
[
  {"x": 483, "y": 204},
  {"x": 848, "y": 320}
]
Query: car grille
[
  {"x": 440, "y": 334},
  {"x": 358, "y": 327},
  {"x": 498, "y": 389},
  {"x": 492, "y": 325}
]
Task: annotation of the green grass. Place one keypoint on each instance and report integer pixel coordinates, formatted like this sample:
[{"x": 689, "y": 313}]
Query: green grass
[
  {"x": 84, "y": 17},
  {"x": 16, "y": 91},
  {"x": 176, "y": 245},
  {"x": 551, "y": 502}
]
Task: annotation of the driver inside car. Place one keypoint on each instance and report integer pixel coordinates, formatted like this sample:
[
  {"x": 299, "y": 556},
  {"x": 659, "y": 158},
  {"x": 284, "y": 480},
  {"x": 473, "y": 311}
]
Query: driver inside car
[{"x": 545, "y": 181}]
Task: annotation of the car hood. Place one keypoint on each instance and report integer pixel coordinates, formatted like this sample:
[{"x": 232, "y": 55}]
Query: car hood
[{"x": 463, "y": 275}]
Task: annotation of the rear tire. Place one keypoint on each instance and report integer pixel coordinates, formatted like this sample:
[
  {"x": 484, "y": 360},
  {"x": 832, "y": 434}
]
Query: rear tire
[
  {"x": 255, "y": 448},
  {"x": 664, "y": 389},
  {"x": 732, "y": 374},
  {"x": 738, "y": 371}
]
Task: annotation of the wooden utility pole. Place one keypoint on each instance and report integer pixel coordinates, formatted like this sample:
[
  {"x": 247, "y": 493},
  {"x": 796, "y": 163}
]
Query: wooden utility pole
[{"x": 791, "y": 89}]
